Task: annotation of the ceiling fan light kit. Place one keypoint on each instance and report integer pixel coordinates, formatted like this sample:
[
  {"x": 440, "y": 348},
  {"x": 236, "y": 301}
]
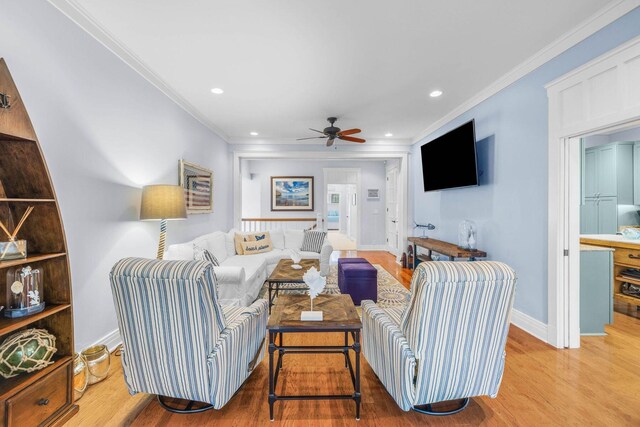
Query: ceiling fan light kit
[{"x": 332, "y": 133}]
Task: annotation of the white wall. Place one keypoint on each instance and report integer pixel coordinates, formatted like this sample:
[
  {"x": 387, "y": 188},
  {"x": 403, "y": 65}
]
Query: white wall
[
  {"x": 372, "y": 175},
  {"x": 105, "y": 132}
]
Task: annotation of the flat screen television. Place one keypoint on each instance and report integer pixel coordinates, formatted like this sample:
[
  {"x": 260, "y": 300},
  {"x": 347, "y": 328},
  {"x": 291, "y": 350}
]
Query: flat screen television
[{"x": 450, "y": 161}]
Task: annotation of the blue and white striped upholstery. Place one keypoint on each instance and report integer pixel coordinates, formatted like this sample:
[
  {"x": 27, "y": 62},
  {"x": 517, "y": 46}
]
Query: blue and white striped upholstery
[
  {"x": 178, "y": 340},
  {"x": 449, "y": 341}
]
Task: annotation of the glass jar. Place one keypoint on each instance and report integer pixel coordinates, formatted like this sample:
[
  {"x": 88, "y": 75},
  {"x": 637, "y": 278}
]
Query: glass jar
[
  {"x": 98, "y": 362},
  {"x": 467, "y": 235},
  {"x": 80, "y": 376},
  {"x": 24, "y": 292}
]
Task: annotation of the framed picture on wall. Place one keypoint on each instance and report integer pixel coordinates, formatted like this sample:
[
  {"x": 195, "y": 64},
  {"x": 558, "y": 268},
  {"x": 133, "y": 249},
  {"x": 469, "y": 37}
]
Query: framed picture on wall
[
  {"x": 197, "y": 183},
  {"x": 292, "y": 193}
]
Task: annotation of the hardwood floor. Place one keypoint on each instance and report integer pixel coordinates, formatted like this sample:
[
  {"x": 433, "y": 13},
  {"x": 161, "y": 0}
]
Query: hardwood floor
[{"x": 598, "y": 384}]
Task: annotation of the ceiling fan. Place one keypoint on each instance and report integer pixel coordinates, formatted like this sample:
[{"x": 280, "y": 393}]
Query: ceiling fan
[{"x": 332, "y": 132}]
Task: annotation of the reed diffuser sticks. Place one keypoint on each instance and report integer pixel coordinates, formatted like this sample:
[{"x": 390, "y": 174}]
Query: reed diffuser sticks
[{"x": 12, "y": 236}]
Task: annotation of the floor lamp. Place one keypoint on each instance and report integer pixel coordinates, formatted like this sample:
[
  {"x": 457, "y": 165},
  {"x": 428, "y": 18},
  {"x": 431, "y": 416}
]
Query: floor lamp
[{"x": 162, "y": 202}]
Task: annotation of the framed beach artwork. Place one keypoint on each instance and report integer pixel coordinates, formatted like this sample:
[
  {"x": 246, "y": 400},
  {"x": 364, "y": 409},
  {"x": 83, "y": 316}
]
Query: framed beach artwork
[
  {"x": 292, "y": 193},
  {"x": 197, "y": 183}
]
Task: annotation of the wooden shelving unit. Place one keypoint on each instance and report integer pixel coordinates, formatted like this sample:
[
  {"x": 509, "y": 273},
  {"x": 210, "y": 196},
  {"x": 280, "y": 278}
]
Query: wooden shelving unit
[
  {"x": 44, "y": 397},
  {"x": 626, "y": 255}
]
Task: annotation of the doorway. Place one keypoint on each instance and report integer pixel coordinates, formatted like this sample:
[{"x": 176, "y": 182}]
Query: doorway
[
  {"x": 342, "y": 214},
  {"x": 608, "y": 203},
  {"x": 600, "y": 96},
  {"x": 391, "y": 213}
]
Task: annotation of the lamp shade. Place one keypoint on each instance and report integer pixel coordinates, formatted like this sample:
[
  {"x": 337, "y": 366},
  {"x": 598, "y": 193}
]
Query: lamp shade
[{"x": 162, "y": 202}]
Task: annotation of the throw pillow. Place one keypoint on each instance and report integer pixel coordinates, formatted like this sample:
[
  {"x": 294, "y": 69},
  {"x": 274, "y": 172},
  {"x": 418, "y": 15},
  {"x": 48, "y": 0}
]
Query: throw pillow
[
  {"x": 239, "y": 239},
  {"x": 313, "y": 241},
  {"x": 256, "y": 247},
  {"x": 202, "y": 254},
  {"x": 263, "y": 238}
]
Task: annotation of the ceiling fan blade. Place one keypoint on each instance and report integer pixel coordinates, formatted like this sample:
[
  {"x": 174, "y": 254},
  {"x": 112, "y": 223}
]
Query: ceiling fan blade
[
  {"x": 316, "y": 130},
  {"x": 352, "y": 139},
  {"x": 330, "y": 142},
  {"x": 349, "y": 132},
  {"x": 312, "y": 137}
]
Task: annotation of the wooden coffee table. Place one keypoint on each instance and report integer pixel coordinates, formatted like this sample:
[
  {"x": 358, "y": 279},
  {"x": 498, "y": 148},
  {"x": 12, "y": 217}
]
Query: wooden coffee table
[
  {"x": 339, "y": 316},
  {"x": 283, "y": 273}
]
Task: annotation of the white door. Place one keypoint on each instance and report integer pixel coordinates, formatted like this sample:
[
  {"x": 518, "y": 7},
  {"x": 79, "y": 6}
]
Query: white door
[
  {"x": 352, "y": 212},
  {"x": 391, "y": 213}
]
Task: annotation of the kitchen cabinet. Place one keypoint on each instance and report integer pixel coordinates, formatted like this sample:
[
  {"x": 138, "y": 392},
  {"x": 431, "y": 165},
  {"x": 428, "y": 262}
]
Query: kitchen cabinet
[
  {"x": 636, "y": 173},
  {"x": 608, "y": 172},
  {"x": 596, "y": 289},
  {"x": 599, "y": 215}
]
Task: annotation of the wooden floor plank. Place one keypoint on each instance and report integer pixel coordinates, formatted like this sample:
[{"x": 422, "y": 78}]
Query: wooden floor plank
[{"x": 598, "y": 384}]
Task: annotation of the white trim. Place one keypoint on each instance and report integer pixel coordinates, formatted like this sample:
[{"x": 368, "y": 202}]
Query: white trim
[
  {"x": 78, "y": 14},
  {"x": 389, "y": 142},
  {"x": 528, "y": 324},
  {"x": 74, "y": 11},
  {"x": 111, "y": 340},
  {"x": 601, "y": 19},
  {"x": 384, "y": 248}
]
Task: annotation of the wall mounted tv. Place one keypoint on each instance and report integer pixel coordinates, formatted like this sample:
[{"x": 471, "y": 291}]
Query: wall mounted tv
[{"x": 450, "y": 161}]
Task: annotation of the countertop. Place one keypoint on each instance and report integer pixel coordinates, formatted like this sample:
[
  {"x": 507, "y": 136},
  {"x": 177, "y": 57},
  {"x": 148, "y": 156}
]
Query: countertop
[
  {"x": 611, "y": 238},
  {"x": 591, "y": 248}
]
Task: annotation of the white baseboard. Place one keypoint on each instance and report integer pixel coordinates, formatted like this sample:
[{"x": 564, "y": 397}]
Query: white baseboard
[
  {"x": 111, "y": 340},
  {"x": 373, "y": 248},
  {"x": 529, "y": 324}
]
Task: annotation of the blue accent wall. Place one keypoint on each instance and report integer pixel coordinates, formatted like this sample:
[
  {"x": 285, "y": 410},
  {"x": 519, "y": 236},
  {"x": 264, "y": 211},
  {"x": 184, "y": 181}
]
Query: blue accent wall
[{"x": 510, "y": 205}]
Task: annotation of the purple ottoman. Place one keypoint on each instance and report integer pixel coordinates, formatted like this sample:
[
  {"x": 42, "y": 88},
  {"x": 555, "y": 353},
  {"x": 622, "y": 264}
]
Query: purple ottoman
[{"x": 358, "y": 278}]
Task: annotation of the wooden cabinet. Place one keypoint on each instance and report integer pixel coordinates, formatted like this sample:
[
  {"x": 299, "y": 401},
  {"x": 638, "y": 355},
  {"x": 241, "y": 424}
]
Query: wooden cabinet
[
  {"x": 626, "y": 255},
  {"x": 608, "y": 172},
  {"x": 42, "y": 397},
  {"x": 608, "y": 181},
  {"x": 636, "y": 173},
  {"x": 599, "y": 215},
  {"x": 596, "y": 295}
]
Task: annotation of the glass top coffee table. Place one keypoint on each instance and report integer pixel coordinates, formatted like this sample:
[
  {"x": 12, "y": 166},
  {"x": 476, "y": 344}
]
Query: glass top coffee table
[
  {"x": 284, "y": 274},
  {"x": 339, "y": 315}
]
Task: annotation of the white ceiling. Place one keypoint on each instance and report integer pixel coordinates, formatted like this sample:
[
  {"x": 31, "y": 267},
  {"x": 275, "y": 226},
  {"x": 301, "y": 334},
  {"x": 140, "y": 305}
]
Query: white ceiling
[{"x": 286, "y": 65}]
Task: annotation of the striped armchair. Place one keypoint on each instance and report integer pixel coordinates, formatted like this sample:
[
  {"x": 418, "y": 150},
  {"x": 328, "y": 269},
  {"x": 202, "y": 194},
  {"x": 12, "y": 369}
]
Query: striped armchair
[
  {"x": 177, "y": 340},
  {"x": 448, "y": 342}
]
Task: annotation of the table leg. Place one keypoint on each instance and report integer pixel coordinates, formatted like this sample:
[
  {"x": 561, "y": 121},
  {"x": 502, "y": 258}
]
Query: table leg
[
  {"x": 272, "y": 395},
  {"x": 270, "y": 300},
  {"x": 346, "y": 350},
  {"x": 356, "y": 347}
]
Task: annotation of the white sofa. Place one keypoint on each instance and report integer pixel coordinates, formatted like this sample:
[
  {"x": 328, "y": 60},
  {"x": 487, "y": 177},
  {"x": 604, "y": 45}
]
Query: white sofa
[{"x": 240, "y": 277}]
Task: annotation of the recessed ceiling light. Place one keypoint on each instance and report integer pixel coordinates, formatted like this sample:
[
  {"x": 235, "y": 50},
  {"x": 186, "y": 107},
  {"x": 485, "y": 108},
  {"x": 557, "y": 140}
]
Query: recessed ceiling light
[
  {"x": 435, "y": 93},
  {"x": 217, "y": 90},
  {"x": 253, "y": 133},
  {"x": 388, "y": 134}
]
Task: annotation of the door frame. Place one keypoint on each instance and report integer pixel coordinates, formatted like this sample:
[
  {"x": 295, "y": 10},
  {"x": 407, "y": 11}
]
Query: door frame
[
  {"x": 600, "y": 96},
  {"x": 386, "y": 213},
  {"x": 357, "y": 171}
]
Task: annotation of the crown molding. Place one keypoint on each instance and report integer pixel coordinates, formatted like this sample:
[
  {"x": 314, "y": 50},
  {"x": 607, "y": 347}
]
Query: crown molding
[
  {"x": 84, "y": 20},
  {"x": 320, "y": 143},
  {"x": 601, "y": 19},
  {"x": 604, "y": 17}
]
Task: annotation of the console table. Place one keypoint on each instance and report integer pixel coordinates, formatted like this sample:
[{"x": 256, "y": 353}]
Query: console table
[{"x": 444, "y": 248}]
